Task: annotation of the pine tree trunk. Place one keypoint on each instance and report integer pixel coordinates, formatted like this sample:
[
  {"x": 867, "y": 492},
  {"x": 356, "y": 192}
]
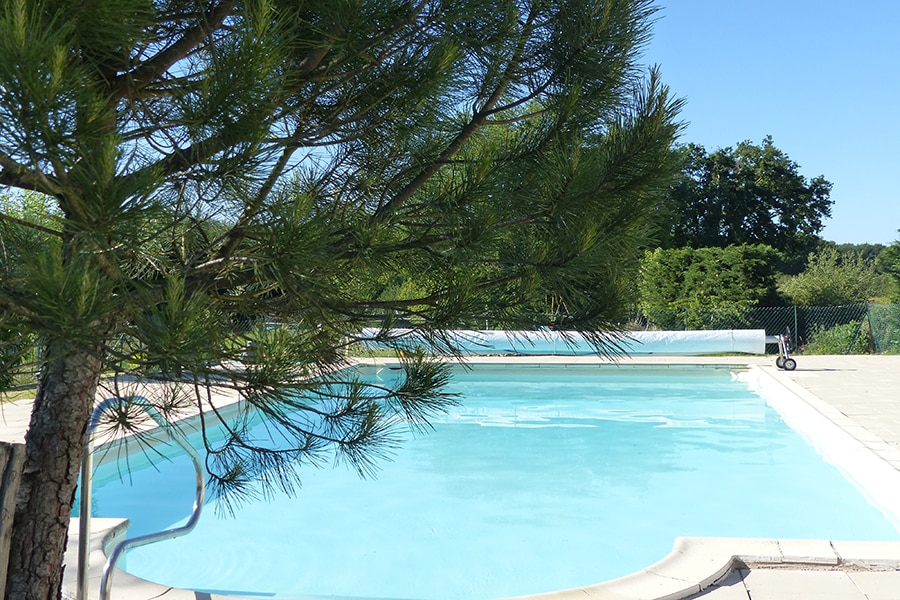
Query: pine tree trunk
[{"x": 54, "y": 448}]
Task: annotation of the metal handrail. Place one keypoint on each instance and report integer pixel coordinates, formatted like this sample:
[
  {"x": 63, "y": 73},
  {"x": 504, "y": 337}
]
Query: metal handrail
[{"x": 84, "y": 531}]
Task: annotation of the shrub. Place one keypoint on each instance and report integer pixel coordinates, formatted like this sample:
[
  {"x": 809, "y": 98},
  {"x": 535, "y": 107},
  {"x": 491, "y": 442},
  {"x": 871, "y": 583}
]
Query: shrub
[
  {"x": 849, "y": 338},
  {"x": 702, "y": 288},
  {"x": 834, "y": 280}
]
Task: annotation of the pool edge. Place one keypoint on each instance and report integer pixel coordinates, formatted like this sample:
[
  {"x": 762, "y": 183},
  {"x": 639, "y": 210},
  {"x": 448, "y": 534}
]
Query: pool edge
[{"x": 694, "y": 565}]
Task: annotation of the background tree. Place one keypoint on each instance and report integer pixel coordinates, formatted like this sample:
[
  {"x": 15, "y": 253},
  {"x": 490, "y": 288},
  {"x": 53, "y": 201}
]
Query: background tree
[
  {"x": 833, "y": 279},
  {"x": 868, "y": 252},
  {"x": 216, "y": 166},
  {"x": 744, "y": 195},
  {"x": 701, "y": 288}
]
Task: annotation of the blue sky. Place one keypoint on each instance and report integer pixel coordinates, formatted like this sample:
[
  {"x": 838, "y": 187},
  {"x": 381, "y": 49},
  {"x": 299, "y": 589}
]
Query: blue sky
[{"x": 821, "y": 77}]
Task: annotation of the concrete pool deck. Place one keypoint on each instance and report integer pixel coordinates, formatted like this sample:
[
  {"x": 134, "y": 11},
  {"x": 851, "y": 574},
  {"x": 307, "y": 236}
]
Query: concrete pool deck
[{"x": 860, "y": 394}]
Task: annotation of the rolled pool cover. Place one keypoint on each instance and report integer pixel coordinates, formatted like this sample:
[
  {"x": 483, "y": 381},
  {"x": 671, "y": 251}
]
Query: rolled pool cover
[{"x": 552, "y": 342}]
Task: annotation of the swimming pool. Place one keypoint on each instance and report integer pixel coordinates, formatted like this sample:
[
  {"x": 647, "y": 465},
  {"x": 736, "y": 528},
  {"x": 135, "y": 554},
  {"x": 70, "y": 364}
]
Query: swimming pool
[{"x": 545, "y": 478}]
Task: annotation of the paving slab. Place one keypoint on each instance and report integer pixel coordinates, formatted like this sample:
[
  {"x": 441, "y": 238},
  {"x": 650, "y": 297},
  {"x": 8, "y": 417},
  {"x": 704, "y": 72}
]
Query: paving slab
[
  {"x": 813, "y": 552},
  {"x": 876, "y": 555},
  {"x": 790, "y": 584},
  {"x": 877, "y": 585},
  {"x": 865, "y": 388}
]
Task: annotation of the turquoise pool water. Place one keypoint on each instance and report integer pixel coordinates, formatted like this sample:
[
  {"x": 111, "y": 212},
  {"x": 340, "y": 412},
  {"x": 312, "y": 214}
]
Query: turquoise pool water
[{"x": 544, "y": 479}]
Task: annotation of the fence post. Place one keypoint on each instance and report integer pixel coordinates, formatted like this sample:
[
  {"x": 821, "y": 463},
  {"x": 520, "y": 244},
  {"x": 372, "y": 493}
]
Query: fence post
[
  {"x": 796, "y": 332},
  {"x": 12, "y": 457}
]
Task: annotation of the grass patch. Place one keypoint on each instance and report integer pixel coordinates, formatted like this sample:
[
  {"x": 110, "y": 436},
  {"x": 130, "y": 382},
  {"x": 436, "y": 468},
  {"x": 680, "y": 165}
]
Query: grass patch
[{"x": 20, "y": 392}]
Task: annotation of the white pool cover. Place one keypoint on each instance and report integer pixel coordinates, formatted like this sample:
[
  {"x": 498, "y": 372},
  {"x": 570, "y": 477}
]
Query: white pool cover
[{"x": 669, "y": 343}]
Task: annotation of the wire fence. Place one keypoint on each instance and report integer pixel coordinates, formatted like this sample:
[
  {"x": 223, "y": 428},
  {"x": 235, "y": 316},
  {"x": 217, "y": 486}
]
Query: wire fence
[{"x": 850, "y": 329}]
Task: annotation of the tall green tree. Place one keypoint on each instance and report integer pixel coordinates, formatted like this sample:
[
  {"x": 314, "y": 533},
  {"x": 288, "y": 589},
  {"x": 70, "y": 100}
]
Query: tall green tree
[
  {"x": 749, "y": 194},
  {"x": 216, "y": 166}
]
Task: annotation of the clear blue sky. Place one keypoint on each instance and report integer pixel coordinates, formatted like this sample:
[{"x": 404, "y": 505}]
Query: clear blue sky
[{"x": 821, "y": 77}]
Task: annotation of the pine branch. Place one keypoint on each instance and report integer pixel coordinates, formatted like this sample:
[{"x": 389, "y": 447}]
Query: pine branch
[
  {"x": 479, "y": 117},
  {"x": 129, "y": 84},
  {"x": 30, "y": 225},
  {"x": 15, "y": 174}
]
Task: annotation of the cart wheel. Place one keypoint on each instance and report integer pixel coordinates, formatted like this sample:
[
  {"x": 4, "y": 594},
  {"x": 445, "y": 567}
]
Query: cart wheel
[
  {"x": 779, "y": 362},
  {"x": 790, "y": 364}
]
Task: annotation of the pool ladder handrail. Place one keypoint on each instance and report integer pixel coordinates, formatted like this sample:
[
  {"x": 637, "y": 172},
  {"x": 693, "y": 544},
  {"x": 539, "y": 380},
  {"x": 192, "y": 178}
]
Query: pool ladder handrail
[{"x": 84, "y": 525}]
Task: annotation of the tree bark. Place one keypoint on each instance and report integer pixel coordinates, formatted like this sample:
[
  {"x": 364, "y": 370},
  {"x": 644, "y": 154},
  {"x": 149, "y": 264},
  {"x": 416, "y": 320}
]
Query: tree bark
[
  {"x": 54, "y": 447},
  {"x": 12, "y": 457}
]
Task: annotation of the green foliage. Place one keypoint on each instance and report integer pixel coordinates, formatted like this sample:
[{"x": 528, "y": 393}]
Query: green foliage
[
  {"x": 20, "y": 249},
  {"x": 849, "y": 338},
  {"x": 21, "y": 243},
  {"x": 868, "y": 252},
  {"x": 831, "y": 279},
  {"x": 705, "y": 285},
  {"x": 888, "y": 262},
  {"x": 750, "y": 194}
]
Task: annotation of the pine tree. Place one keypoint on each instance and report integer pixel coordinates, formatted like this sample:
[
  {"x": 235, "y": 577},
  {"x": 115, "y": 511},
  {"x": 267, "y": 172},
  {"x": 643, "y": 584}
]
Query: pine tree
[{"x": 281, "y": 174}]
